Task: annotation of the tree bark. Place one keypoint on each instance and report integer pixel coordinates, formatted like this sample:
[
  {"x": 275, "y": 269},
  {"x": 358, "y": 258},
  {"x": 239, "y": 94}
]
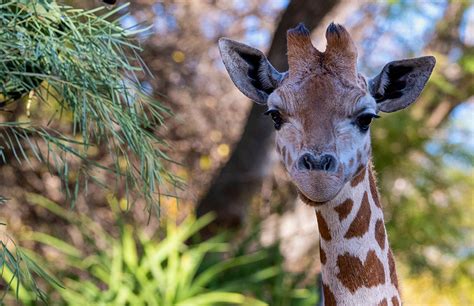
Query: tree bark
[{"x": 241, "y": 178}]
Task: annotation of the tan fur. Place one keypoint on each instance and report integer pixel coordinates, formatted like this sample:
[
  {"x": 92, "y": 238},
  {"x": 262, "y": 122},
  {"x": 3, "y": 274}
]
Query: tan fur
[
  {"x": 341, "y": 52},
  {"x": 299, "y": 46},
  {"x": 357, "y": 264}
]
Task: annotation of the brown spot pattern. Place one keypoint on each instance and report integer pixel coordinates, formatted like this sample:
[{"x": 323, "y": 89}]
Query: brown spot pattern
[
  {"x": 323, "y": 227},
  {"x": 391, "y": 268},
  {"x": 395, "y": 301},
  {"x": 322, "y": 254},
  {"x": 344, "y": 209},
  {"x": 329, "y": 299},
  {"x": 360, "y": 224},
  {"x": 359, "y": 177},
  {"x": 373, "y": 188},
  {"x": 383, "y": 302},
  {"x": 380, "y": 233},
  {"x": 354, "y": 274}
]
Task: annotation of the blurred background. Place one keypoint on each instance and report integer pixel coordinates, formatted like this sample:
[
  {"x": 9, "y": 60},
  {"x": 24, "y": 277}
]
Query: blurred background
[{"x": 223, "y": 150}]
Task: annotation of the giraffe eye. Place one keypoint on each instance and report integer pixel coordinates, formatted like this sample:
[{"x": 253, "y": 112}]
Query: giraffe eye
[
  {"x": 363, "y": 121},
  {"x": 276, "y": 117}
]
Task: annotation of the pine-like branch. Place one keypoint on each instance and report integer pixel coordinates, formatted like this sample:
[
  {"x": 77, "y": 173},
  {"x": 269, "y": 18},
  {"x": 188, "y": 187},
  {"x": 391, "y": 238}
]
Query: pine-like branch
[{"x": 65, "y": 65}]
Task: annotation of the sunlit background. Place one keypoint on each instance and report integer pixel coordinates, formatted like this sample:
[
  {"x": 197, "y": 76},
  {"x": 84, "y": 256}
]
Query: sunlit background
[{"x": 423, "y": 156}]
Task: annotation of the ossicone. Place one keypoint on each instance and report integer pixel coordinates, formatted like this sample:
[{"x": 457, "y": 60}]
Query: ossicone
[
  {"x": 299, "y": 46},
  {"x": 341, "y": 51}
]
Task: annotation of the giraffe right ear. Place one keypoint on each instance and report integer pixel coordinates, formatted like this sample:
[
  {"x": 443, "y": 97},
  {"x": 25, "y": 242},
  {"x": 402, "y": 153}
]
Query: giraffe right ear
[
  {"x": 250, "y": 70},
  {"x": 401, "y": 82}
]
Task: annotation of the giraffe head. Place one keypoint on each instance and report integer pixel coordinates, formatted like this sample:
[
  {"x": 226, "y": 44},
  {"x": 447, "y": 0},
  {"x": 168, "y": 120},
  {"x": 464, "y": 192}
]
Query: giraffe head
[{"x": 322, "y": 107}]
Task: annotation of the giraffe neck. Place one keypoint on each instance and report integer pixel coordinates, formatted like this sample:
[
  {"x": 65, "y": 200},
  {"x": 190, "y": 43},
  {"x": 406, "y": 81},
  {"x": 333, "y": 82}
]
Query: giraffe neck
[{"x": 357, "y": 263}]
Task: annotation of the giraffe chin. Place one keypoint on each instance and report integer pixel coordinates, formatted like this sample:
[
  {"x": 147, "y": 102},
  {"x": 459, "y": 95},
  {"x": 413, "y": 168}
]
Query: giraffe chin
[{"x": 317, "y": 188}]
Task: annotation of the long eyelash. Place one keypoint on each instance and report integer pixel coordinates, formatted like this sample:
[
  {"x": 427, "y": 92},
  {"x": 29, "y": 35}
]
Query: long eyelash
[
  {"x": 270, "y": 111},
  {"x": 369, "y": 114}
]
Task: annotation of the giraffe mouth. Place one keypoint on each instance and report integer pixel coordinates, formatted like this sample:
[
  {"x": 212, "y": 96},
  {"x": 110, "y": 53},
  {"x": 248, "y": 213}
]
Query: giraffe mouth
[{"x": 318, "y": 186}]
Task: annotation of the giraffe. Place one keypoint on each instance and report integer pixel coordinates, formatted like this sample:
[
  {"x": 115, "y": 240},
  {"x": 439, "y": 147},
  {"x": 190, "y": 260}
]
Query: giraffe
[{"x": 322, "y": 108}]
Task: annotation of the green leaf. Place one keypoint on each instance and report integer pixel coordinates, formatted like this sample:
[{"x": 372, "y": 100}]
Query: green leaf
[
  {"x": 59, "y": 244},
  {"x": 129, "y": 249},
  {"x": 33, "y": 266}
]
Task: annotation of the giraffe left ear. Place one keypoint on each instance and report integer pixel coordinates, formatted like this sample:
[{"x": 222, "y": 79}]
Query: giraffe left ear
[
  {"x": 401, "y": 82},
  {"x": 250, "y": 70}
]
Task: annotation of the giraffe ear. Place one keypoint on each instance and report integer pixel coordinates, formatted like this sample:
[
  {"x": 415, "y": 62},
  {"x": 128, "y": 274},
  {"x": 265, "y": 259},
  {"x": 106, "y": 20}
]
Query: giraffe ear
[
  {"x": 401, "y": 82},
  {"x": 250, "y": 70}
]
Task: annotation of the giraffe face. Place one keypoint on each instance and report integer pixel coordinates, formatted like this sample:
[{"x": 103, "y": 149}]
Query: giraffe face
[
  {"x": 322, "y": 131},
  {"x": 322, "y": 107}
]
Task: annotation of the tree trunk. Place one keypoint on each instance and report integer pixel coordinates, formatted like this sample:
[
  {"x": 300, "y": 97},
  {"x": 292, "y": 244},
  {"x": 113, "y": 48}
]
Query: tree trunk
[{"x": 241, "y": 178}]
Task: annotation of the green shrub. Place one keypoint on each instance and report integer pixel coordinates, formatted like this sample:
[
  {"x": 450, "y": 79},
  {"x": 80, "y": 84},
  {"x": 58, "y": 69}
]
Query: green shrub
[{"x": 136, "y": 269}]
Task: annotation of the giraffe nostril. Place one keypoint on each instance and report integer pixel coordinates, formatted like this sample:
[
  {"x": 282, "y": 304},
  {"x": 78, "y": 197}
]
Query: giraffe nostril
[
  {"x": 307, "y": 162},
  {"x": 327, "y": 163}
]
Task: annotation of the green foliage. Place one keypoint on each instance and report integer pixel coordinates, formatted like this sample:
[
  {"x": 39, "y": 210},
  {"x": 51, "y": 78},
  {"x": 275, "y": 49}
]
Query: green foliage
[
  {"x": 467, "y": 62},
  {"x": 161, "y": 274},
  {"x": 428, "y": 186},
  {"x": 75, "y": 67},
  {"x": 17, "y": 271},
  {"x": 267, "y": 278},
  {"x": 136, "y": 269}
]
